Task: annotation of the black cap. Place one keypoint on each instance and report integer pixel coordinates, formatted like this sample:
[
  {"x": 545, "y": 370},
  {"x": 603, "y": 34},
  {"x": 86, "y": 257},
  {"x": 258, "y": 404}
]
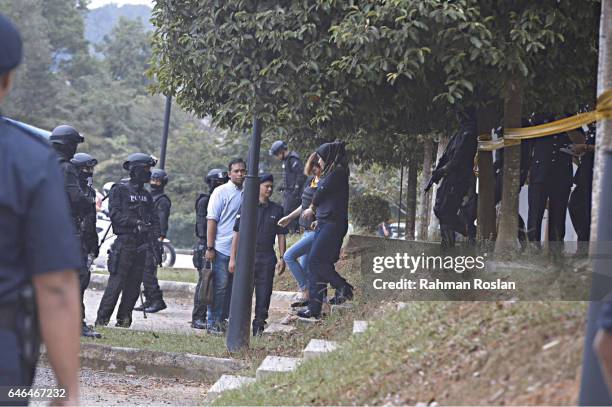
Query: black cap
[
  {"x": 10, "y": 45},
  {"x": 277, "y": 146},
  {"x": 265, "y": 178}
]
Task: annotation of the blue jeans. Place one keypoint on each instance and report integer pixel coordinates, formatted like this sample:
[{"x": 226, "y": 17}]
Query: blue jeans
[
  {"x": 325, "y": 251},
  {"x": 296, "y": 258},
  {"x": 222, "y": 285}
]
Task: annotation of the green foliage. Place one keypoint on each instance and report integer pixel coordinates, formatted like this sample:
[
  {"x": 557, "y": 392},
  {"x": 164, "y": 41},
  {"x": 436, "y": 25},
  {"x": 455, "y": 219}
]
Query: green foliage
[
  {"x": 369, "y": 211},
  {"x": 375, "y": 73}
]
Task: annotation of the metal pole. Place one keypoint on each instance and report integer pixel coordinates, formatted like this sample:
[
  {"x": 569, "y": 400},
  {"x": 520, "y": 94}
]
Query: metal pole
[
  {"x": 593, "y": 390},
  {"x": 239, "y": 330},
  {"x": 399, "y": 206},
  {"x": 162, "y": 155}
]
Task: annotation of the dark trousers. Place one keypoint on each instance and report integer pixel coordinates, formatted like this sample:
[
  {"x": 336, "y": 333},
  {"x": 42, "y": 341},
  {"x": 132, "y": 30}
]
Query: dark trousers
[
  {"x": 556, "y": 194},
  {"x": 126, "y": 267},
  {"x": 199, "y": 308},
  {"x": 264, "y": 280},
  {"x": 449, "y": 198},
  {"x": 152, "y": 291},
  {"x": 291, "y": 201},
  {"x": 324, "y": 253},
  {"x": 84, "y": 277},
  {"x": 580, "y": 211}
]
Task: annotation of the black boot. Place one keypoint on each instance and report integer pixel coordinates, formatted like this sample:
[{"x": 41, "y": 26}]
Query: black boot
[
  {"x": 156, "y": 307},
  {"x": 307, "y": 314},
  {"x": 342, "y": 295},
  {"x": 124, "y": 323},
  {"x": 89, "y": 332},
  {"x": 258, "y": 328},
  {"x": 101, "y": 322},
  {"x": 145, "y": 305}
]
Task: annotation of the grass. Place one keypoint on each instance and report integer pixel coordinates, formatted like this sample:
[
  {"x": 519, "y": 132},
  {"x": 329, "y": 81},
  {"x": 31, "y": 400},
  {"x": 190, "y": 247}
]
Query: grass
[{"x": 454, "y": 353}]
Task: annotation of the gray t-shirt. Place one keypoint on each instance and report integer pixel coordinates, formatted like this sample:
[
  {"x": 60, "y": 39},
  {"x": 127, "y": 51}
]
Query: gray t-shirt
[{"x": 223, "y": 207}]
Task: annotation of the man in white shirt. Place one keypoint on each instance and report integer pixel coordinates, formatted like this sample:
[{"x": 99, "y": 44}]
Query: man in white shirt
[{"x": 223, "y": 207}]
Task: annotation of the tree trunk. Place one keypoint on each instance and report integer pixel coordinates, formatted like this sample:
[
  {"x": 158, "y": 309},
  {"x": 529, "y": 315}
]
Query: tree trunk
[
  {"x": 434, "y": 223},
  {"x": 424, "y": 197},
  {"x": 486, "y": 181},
  {"x": 604, "y": 127},
  {"x": 507, "y": 237},
  {"x": 411, "y": 194}
]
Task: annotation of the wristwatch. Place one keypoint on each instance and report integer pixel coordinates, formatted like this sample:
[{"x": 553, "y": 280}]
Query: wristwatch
[{"x": 210, "y": 248}]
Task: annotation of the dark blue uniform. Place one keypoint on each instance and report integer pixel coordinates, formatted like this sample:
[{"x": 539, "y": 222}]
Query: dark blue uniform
[
  {"x": 268, "y": 216},
  {"x": 201, "y": 227},
  {"x": 550, "y": 180},
  {"x": 37, "y": 237}
]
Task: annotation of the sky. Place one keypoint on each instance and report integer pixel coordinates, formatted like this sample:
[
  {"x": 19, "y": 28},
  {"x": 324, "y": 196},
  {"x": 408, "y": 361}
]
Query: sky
[{"x": 99, "y": 3}]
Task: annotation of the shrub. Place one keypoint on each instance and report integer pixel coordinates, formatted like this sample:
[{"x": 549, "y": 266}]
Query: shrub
[{"x": 369, "y": 211}]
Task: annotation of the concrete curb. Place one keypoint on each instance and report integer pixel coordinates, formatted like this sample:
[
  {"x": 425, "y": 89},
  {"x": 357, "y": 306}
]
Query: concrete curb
[{"x": 144, "y": 362}]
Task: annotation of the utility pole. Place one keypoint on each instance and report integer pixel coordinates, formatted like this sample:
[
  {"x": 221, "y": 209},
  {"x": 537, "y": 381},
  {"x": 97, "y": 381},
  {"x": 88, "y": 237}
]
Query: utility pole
[
  {"x": 164, "y": 144},
  {"x": 239, "y": 330},
  {"x": 593, "y": 390}
]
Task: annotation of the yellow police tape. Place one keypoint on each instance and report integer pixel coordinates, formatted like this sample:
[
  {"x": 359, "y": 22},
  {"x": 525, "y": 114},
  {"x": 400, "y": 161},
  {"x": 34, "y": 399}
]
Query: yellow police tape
[{"x": 514, "y": 136}]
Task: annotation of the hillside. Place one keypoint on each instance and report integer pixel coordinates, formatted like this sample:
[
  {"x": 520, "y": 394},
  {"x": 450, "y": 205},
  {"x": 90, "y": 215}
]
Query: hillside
[{"x": 100, "y": 21}]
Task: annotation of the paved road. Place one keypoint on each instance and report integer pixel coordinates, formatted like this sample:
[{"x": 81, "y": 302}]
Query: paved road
[{"x": 183, "y": 261}]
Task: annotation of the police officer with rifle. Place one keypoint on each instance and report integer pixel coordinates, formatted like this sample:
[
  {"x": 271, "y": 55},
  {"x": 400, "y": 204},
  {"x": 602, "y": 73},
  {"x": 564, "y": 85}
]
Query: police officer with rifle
[
  {"x": 40, "y": 254},
  {"x": 136, "y": 225},
  {"x": 86, "y": 227},
  {"x": 213, "y": 179}
]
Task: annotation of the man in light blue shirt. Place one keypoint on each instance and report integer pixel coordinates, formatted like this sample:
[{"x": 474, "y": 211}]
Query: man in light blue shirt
[{"x": 223, "y": 207}]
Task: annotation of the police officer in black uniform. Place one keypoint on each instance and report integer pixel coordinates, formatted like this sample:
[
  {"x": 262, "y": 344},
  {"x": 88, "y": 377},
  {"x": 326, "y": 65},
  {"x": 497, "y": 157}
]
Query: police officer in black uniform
[
  {"x": 136, "y": 225},
  {"x": 154, "y": 297},
  {"x": 268, "y": 215},
  {"x": 550, "y": 181},
  {"x": 86, "y": 224},
  {"x": 293, "y": 179},
  {"x": 213, "y": 179},
  {"x": 455, "y": 167},
  {"x": 40, "y": 253},
  {"x": 580, "y": 200}
]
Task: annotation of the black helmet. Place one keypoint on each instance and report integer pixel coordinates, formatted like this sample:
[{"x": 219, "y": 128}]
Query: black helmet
[
  {"x": 277, "y": 146},
  {"x": 159, "y": 174},
  {"x": 65, "y": 134},
  {"x": 139, "y": 158},
  {"x": 216, "y": 176},
  {"x": 83, "y": 160}
]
